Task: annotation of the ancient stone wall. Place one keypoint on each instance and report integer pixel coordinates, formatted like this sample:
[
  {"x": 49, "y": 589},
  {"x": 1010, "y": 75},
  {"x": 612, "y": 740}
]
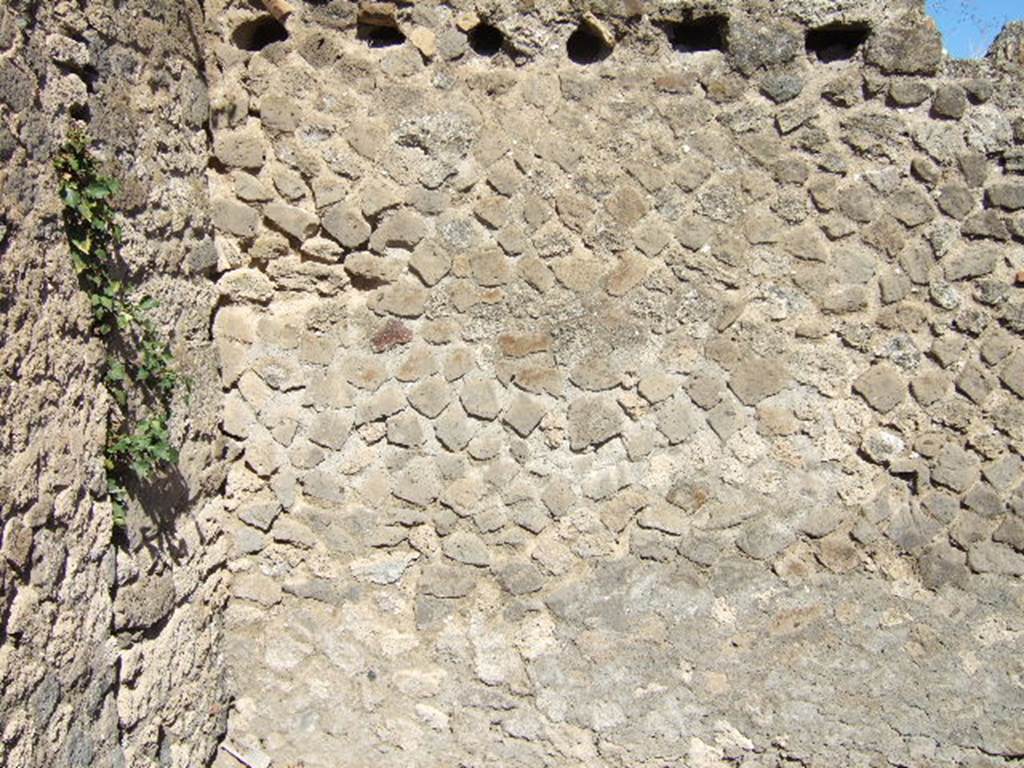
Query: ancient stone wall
[
  {"x": 110, "y": 653},
  {"x": 591, "y": 384},
  {"x": 625, "y": 386}
]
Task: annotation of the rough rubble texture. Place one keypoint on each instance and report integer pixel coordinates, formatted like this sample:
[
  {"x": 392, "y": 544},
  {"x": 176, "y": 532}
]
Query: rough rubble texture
[
  {"x": 660, "y": 410},
  {"x": 110, "y": 655}
]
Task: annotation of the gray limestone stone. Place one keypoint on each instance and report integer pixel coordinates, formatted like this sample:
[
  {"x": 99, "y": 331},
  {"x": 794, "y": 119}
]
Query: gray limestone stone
[
  {"x": 907, "y": 92},
  {"x": 1011, "y": 532},
  {"x": 246, "y": 285},
  {"x": 593, "y": 420},
  {"x": 446, "y": 581},
  {"x": 975, "y": 382},
  {"x": 403, "y": 229},
  {"x": 382, "y": 568},
  {"x": 882, "y": 387},
  {"x": 595, "y": 375},
  {"x": 677, "y": 420},
  {"x": 984, "y": 501},
  {"x": 454, "y": 429},
  {"x": 405, "y": 429},
  {"x": 524, "y": 414},
  {"x": 990, "y": 557},
  {"x": 781, "y": 87},
  {"x": 971, "y": 263},
  {"x": 429, "y": 261},
  {"x": 520, "y": 578},
  {"x": 726, "y": 419},
  {"x": 956, "y": 468},
  {"x": 383, "y": 403},
  {"x": 706, "y": 391},
  {"x": 279, "y": 113},
  {"x": 367, "y": 269},
  {"x": 955, "y": 200},
  {"x": 467, "y": 548},
  {"x": 929, "y": 387},
  {"x": 1008, "y": 195},
  {"x": 240, "y": 148},
  {"x": 404, "y": 299},
  {"x": 419, "y": 483},
  {"x": 331, "y": 428},
  {"x": 942, "y": 565},
  {"x": 297, "y": 222},
  {"x": 234, "y": 218},
  {"x": 911, "y": 46},
  {"x": 259, "y": 513},
  {"x": 764, "y": 538},
  {"x": 1004, "y": 473},
  {"x": 257, "y": 588},
  {"x": 756, "y": 378},
  {"x": 430, "y": 397},
  {"x": 346, "y": 224},
  {"x": 1012, "y": 373},
  {"x": 480, "y": 399},
  {"x": 664, "y": 517},
  {"x": 950, "y": 101},
  {"x": 490, "y": 267},
  {"x": 806, "y": 243},
  {"x": 657, "y": 386},
  {"x": 989, "y": 225},
  {"x": 882, "y": 445},
  {"x": 559, "y": 497}
]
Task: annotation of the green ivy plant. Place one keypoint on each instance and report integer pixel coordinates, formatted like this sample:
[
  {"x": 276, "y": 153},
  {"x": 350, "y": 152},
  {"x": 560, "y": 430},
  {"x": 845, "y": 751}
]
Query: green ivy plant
[{"x": 139, "y": 370}]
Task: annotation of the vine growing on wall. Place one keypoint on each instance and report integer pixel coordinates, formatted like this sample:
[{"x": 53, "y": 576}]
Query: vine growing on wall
[{"x": 139, "y": 372}]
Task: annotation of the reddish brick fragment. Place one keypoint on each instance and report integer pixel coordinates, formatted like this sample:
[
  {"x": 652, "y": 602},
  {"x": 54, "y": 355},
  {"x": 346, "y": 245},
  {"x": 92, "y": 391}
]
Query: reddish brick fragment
[{"x": 393, "y": 333}]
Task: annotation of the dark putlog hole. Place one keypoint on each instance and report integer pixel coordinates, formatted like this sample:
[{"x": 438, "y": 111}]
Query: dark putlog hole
[
  {"x": 486, "y": 40},
  {"x": 836, "y": 42},
  {"x": 586, "y": 45},
  {"x": 379, "y": 35},
  {"x": 257, "y": 34},
  {"x": 706, "y": 33}
]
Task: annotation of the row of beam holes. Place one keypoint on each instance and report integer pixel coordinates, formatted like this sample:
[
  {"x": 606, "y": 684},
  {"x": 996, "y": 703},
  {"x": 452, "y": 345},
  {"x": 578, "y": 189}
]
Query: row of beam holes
[
  {"x": 586, "y": 45},
  {"x": 257, "y": 34},
  {"x": 834, "y": 42}
]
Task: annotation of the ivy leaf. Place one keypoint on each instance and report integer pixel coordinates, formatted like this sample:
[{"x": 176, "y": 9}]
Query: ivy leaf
[
  {"x": 116, "y": 372},
  {"x": 97, "y": 190}
]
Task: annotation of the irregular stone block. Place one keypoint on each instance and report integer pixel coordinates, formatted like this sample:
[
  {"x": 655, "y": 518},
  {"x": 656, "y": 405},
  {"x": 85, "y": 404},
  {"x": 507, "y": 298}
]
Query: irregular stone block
[
  {"x": 419, "y": 483},
  {"x": 956, "y": 468},
  {"x": 346, "y": 224},
  {"x": 446, "y": 581},
  {"x": 756, "y": 378},
  {"x": 234, "y": 218},
  {"x": 882, "y": 387},
  {"x": 524, "y": 414},
  {"x": 241, "y": 147},
  {"x": 593, "y": 420},
  {"x": 950, "y": 101},
  {"x": 911, "y": 45},
  {"x": 466, "y": 548}
]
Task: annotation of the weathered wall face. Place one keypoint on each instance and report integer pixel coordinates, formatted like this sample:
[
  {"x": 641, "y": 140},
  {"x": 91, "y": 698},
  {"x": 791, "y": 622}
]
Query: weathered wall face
[
  {"x": 110, "y": 655},
  {"x": 665, "y": 410}
]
